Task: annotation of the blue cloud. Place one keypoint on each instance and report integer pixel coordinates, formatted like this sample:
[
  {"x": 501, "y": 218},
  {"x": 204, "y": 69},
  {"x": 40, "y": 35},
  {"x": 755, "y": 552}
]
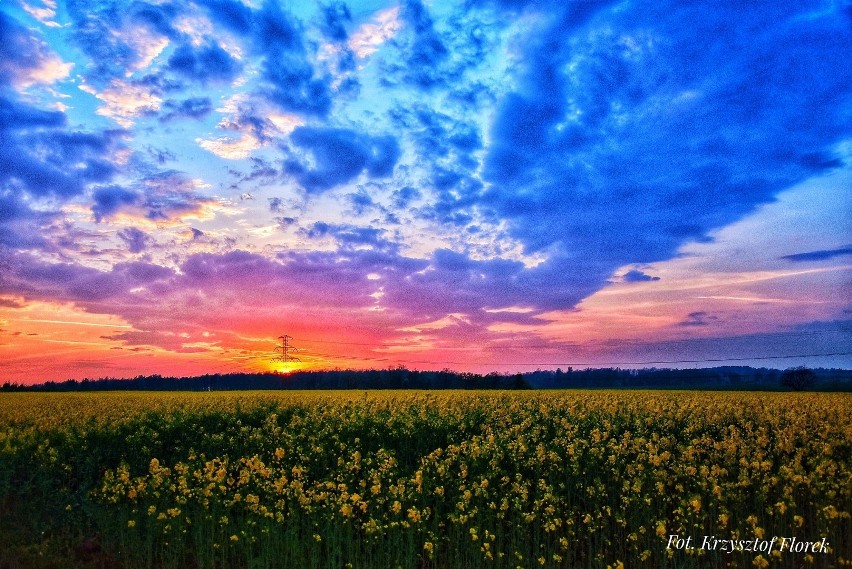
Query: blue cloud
[
  {"x": 436, "y": 58},
  {"x": 135, "y": 239},
  {"x": 275, "y": 204},
  {"x": 93, "y": 26},
  {"x": 159, "y": 196},
  {"x": 361, "y": 202},
  {"x": 167, "y": 194},
  {"x": 403, "y": 197},
  {"x": 821, "y": 255},
  {"x": 350, "y": 236},
  {"x": 205, "y": 63},
  {"x": 638, "y": 128},
  {"x": 293, "y": 84},
  {"x": 41, "y": 157},
  {"x": 699, "y": 318},
  {"x": 637, "y": 276},
  {"x": 15, "y": 116},
  {"x": 20, "y": 50},
  {"x": 335, "y": 16},
  {"x": 446, "y": 150},
  {"x": 158, "y": 17},
  {"x": 31, "y": 277},
  {"x": 236, "y": 16},
  {"x": 192, "y": 108},
  {"x": 108, "y": 200},
  {"x": 339, "y": 155},
  {"x": 426, "y": 51}
]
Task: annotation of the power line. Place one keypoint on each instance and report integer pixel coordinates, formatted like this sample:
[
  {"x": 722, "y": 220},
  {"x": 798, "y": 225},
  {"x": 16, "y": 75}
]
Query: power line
[
  {"x": 583, "y": 364},
  {"x": 709, "y": 360},
  {"x": 286, "y": 348},
  {"x": 556, "y": 342}
]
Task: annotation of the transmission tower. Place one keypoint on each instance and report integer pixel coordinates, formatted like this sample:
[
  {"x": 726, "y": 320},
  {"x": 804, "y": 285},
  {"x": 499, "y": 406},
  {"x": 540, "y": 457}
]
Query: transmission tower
[{"x": 285, "y": 348}]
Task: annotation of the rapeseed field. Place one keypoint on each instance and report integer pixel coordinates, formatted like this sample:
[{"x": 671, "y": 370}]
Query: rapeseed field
[{"x": 441, "y": 480}]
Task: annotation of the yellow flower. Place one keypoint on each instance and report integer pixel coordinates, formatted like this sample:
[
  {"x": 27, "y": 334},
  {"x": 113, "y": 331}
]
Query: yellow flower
[{"x": 696, "y": 504}]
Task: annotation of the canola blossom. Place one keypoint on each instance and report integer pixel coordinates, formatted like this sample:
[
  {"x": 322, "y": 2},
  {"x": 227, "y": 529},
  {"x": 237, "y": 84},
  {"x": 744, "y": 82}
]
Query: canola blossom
[{"x": 563, "y": 479}]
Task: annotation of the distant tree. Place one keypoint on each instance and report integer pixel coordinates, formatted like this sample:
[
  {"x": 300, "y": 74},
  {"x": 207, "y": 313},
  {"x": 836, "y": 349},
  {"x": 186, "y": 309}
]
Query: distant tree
[
  {"x": 518, "y": 382},
  {"x": 798, "y": 378}
]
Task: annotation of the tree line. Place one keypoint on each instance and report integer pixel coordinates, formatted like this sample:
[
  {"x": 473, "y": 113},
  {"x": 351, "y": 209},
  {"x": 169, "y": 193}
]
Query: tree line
[{"x": 723, "y": 378}]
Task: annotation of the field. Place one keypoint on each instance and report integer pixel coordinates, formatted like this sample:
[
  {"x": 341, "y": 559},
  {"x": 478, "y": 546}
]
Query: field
[{"x": 417, "y": 480}]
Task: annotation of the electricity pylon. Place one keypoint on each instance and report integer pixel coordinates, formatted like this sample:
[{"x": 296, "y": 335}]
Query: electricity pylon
[{"x": 286, "y": 347}]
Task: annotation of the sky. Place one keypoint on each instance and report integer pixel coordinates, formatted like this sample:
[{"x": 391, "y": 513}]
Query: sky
[{"x": 478, "y": 185}]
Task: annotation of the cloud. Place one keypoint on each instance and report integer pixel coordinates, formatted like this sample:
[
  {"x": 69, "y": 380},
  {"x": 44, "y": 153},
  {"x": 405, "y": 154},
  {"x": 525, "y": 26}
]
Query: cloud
[
  {"x": 262, "y": 172},
  {"x": 338, "y": 156},
  {"x": 422, "y": 50},
  {"x": 275, "y": 204},
  {"x": 290, "y": 80},
  {"x": 45, "y": 14},
  {"x": 442, "y": 54},
  {"x": 405, "y": 196},
  {"x": 17, "y": 220},
  {"x": 637, "y": 276},
  {"x": 249, "y": 115},
  {"x": 171, "y": 194},
  {"x": 125, "y": 101},
  {"x": 334, "y": 18},
  {"x": 111, "y": 199},
  {"x": 17, "y": 116},
  {"x": 258, "y": 125},
  {"x": 635, "y": 129},
  {"x": 44, "y": 163},
  {"x": 350, "y": 236},
  {"x": 157, "y": 17},
  {"x": 10, "y": 303},
  {"x": 193, "y": 108},
  {"x": 25, "y": 59},
  {"x": 160, "y": 196},
  {"x": 135, "y": 239},
  {"x": 821, "y": 255},
  {"x": 120, "y": 38},
  {"x": 236, "y": 16},
  {"x": 449, "y": 144},
  {"x": 32, "y": 278},
  {"x": 699, "y": 318},
  {"x": 240, "y": 292},
  {"x": 42, "y": 158},
  {"x": 229, "y": 147},
  {"x": 369, "y": 37},
  {"x": 207, "y": 63}
]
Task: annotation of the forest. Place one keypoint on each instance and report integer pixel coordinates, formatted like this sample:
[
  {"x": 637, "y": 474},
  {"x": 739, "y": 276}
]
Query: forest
[{"x": 718, "y": 378}]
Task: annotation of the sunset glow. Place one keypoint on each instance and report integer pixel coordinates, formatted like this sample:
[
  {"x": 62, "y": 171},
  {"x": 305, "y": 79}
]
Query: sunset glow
[{"x": 481, "y": 186}]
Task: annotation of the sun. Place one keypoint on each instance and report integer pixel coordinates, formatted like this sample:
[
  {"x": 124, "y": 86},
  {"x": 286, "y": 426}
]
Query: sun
[{"x": 283, "y": 368}]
